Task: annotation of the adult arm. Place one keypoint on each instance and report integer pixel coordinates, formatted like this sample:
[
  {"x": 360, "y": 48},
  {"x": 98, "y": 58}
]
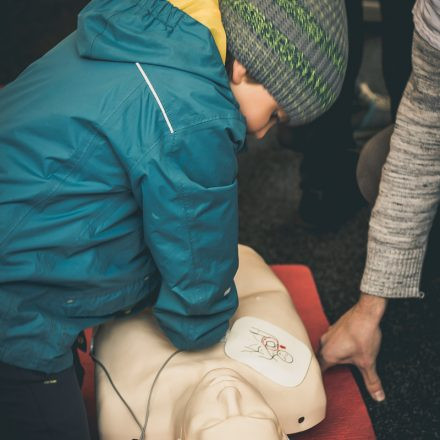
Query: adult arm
[{"x": 408, "y": 198}]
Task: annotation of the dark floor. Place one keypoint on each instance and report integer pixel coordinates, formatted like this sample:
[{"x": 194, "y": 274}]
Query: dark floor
[{"x": 409, "y": 362}]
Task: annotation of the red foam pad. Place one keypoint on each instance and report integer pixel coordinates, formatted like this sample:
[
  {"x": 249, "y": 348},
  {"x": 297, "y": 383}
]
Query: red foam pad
[
  {"x": 347, "y": 416},
  {"x": 88, "y": 387}
]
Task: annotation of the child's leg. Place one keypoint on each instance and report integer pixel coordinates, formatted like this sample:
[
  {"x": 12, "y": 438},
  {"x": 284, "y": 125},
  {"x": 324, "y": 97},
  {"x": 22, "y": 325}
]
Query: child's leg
[{"x": 39, "y": 406}]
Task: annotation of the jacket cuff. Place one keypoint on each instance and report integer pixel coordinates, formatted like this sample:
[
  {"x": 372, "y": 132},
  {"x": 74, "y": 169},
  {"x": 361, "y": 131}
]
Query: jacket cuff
[{"x": 393, "y": 273}]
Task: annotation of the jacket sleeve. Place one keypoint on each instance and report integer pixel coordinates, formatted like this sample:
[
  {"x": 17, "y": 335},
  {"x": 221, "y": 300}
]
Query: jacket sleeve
[{"x": 188, "y": 193}]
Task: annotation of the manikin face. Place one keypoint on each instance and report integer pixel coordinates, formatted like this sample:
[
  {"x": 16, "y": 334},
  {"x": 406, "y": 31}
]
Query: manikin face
[
  {"x": 225, "y": 406},
  {"x": 256, "y": 104}
]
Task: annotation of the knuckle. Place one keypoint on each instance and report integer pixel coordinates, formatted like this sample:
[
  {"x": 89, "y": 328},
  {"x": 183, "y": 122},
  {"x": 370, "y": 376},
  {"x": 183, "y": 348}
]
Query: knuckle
[
  {"x": 329, "y": 359},
  {"x": 365, "y": 364}
]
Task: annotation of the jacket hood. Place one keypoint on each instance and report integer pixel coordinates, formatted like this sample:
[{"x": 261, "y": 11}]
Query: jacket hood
[{"x": 142, "y": 31}]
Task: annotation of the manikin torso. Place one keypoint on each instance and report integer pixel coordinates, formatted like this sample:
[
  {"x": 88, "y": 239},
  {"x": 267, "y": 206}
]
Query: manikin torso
[{"x": 205, "y": 395}]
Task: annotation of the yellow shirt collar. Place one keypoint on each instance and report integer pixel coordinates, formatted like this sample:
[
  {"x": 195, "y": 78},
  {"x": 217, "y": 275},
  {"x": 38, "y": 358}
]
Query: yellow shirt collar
[{"x": 206, "y": 12}]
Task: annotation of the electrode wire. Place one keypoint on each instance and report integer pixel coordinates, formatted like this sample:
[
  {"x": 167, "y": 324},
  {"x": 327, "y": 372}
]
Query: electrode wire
[
  {"x": 147, "y": 413},
  {"x": 98, "y": 362}
]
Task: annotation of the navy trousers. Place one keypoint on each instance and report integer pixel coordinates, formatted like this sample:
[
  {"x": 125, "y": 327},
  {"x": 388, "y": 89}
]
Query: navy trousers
[{"x": 40, "y": 406}]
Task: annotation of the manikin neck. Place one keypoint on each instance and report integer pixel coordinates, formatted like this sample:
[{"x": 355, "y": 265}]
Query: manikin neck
[{"x": 170, "y": 389}]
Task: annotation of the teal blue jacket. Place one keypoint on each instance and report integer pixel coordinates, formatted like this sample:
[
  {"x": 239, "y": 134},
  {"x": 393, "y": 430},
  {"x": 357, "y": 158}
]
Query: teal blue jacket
[{"x": 118, "y": 184}]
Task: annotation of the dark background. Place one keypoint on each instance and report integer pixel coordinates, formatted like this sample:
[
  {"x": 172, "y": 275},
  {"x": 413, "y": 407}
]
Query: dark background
[{"x": 409, "y": 361}]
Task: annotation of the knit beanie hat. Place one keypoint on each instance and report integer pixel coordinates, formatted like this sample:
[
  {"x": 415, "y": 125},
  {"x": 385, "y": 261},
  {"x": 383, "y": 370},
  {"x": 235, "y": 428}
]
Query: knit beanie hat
[{"x": 297, "y": 49}]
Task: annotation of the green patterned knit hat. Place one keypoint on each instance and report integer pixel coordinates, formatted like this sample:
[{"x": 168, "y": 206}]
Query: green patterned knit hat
[{"x": 296, "y": 48}]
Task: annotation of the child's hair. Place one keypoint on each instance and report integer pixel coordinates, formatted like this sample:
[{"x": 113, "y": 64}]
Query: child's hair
[
  {"x": 297, "y": 49},
  {"x": 229, "y": 62}
]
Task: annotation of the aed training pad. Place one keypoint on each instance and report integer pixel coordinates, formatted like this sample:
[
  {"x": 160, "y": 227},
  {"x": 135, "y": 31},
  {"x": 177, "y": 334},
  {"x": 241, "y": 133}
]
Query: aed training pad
[{"x": 268, "y": 349}]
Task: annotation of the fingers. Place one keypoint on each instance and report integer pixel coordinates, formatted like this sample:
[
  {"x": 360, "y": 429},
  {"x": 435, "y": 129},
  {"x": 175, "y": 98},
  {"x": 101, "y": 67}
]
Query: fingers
[
  {"x": 322, "y": 362},
  {"x": 369, "y": 374},
  {"x": 326, "y": 363},
  {"x": 338, "y": 351},
  {"x": 328, "y": 358},
  {"x": 354, "y": 339},
  {"x": 324, "y": 337},
  {"x": 372, "y": 382}
]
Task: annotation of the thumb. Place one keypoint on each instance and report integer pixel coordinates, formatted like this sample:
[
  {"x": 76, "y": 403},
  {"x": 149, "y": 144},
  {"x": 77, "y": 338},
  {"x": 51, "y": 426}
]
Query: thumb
[{"x": 373, "y": 382}]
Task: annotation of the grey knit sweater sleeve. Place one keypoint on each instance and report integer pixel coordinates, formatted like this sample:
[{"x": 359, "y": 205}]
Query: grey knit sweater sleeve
[
  {"x": 427, "y": 21},
  {"x": 409, "y": 190}
]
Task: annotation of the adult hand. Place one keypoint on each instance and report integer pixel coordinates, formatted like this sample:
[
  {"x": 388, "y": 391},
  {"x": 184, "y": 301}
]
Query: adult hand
[{"x": 355, "y": 339}]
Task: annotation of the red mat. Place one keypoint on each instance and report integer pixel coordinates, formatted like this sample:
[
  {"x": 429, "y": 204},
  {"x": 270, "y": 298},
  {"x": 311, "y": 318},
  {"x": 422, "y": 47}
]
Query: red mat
[{"x": 347, "y": 417}]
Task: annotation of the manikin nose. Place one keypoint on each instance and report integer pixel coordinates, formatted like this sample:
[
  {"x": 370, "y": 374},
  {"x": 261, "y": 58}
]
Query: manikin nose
[{"x": 230, "y": 397}]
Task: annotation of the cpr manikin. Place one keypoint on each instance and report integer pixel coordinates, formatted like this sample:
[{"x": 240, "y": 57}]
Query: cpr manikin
[{"x": 212, "y": 394}]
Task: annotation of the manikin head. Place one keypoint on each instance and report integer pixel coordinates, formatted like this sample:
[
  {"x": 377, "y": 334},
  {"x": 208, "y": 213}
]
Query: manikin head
[{"x": 224, "y": 405}]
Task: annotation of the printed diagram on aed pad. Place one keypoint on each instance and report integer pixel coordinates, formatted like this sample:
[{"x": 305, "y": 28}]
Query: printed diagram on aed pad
[{"x": 268, "y": 347}]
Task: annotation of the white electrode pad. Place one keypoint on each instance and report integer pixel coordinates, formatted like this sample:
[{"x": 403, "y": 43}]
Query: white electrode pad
[{"x": 268, "y": 349}]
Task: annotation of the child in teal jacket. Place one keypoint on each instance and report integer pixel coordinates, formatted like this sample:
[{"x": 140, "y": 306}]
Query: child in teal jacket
[{"x": 118, "y": 168}]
